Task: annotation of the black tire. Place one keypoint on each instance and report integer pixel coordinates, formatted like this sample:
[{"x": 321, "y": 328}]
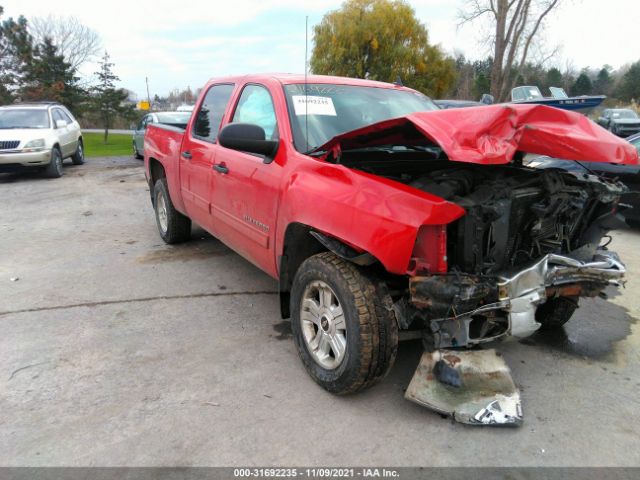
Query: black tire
[
  {"x": 555, "y": 312},
  {"x": 78, "y": 156},
  {"x": 174, "y": 227},
  {"x": 136, "y": 154},
  {"x": 371, "y": 328},
  {"x": 54, "y": 169}
]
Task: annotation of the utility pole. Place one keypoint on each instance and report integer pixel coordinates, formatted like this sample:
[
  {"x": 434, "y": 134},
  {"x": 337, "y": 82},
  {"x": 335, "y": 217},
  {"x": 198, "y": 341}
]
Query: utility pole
[{"x": 148, "y": 96}]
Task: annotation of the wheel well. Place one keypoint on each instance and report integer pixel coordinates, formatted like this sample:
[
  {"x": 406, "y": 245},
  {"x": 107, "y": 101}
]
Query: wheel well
[
  {"x": 156, "y": 171},
  {"x": 298, "y": 245}
]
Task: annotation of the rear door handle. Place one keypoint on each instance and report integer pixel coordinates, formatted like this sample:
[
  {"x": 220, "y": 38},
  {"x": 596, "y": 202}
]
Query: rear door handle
[
  {"x": 187, "y": 155},
  {"x": 219, "y": 167}
]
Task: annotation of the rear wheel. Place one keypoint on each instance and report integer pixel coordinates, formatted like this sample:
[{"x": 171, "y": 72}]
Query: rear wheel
[
  {"x": 555, "y": 312},
  {"x": 54, "y": 169},
  {"x": 172, "y": 225},
  {"x": 78, "y": 157},
  {"x": 342, "y": 323},
  {"x": 136, "y": 154}
]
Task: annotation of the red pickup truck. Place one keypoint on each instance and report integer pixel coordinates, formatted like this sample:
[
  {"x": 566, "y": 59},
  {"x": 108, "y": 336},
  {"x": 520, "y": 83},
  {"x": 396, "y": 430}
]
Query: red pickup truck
[{"x": 378, "y": 212}]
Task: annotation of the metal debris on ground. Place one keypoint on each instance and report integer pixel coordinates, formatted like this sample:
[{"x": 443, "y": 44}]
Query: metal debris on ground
[{"x": 473, "y": 387}]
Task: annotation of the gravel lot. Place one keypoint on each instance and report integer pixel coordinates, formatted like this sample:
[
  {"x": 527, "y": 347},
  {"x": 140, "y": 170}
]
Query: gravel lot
[{"x": 119, "y": 350}]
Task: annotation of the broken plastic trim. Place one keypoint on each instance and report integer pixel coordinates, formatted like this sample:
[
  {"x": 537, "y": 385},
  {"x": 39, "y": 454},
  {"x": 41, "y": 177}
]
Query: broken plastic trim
[
  {"x": 344, "y": 251},
  {"x": 519, "y": 294}
]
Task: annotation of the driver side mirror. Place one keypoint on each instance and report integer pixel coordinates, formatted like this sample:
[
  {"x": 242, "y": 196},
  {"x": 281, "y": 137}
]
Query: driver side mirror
[
  {"x": 61, "y": 123},
  {"x": 250, "y": 138}
]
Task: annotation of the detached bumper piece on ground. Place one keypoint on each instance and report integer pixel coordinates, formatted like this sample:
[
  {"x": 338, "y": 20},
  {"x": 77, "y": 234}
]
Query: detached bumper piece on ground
[
  {"x": 476, "y": 387},
  {"x": 473, "y": 387}
]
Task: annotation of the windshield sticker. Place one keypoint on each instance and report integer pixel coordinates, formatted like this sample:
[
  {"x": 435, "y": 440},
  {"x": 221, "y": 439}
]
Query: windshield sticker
[{"x": 311, "y": 105}]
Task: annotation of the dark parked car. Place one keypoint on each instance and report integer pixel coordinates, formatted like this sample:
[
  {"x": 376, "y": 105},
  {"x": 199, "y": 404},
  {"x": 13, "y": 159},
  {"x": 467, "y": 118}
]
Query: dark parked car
[
  {"x": 628, "y": 174},
  {"x": 621, "y": 121}
]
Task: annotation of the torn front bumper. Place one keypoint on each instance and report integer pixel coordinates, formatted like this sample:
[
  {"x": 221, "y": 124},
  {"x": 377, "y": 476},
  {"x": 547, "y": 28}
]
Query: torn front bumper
[
  {"x": 466, "y": 310},
  {"x": 473, "y": 387}
]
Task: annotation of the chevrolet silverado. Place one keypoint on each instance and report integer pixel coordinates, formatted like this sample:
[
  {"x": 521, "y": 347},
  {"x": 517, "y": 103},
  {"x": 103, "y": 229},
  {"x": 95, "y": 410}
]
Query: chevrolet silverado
[{"x": 378, "y": 212}]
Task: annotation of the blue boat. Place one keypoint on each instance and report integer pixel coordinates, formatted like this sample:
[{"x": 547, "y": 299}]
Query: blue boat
[{"x": 559, "y": 99}]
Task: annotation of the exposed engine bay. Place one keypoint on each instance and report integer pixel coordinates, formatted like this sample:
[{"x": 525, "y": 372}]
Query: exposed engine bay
[
  {"x": 515, "y": 216},
  {"x": 527, "y": 235}
]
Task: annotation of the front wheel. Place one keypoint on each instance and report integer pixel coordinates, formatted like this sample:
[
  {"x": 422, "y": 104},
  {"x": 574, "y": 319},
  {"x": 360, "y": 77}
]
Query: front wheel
[
  {"x": 555, "y": 312},
  {"x": 78, "y": 156},
  {"x": 54, "y": 169},
  {"x": 136, "y": 154},
  {"x": 172, "y": 225},
  {"x": 342, "y": 324}
]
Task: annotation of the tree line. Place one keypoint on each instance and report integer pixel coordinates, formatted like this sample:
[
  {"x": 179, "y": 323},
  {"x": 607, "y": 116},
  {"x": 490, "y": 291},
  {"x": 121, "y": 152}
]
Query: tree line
[
  {"x": 40, "y": 62},
  {"x": 383, "y": 40},
  {"x": 473, "y": 78},
  {"x": 375, "y": 39}
]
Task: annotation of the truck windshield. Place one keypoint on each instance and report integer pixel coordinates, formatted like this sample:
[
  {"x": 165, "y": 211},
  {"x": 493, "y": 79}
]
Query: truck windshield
[
  {"x": 328, "y": 110},
  {"x": 23, "y": 118}
]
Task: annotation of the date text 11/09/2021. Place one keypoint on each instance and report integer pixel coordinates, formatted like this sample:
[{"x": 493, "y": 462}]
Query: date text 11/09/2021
[{"x": 315, "y": 473}]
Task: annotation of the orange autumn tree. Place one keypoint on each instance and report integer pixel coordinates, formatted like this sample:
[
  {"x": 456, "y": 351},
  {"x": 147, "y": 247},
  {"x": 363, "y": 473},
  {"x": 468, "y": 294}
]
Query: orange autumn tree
[{"x": 380, "y": 40}]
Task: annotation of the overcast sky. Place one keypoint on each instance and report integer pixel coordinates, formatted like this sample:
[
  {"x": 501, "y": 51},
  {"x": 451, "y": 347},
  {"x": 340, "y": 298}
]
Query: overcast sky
[{"x": 180, "y": 44}]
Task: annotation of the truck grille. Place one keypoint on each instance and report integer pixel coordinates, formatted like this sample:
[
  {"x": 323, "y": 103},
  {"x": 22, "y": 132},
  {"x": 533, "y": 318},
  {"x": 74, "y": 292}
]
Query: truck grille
[{"x": 9, "y": 144}]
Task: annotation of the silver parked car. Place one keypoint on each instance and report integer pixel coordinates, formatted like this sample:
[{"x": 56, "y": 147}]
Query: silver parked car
[
  {"x": 39, "y": 136},
  {"x": 174, "y": 119}
]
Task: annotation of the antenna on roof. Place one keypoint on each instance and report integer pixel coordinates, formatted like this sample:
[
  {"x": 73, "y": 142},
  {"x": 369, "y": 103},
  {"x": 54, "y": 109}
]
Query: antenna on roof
[
  {"x": 398, "y": 81},
  {"x": 306, "y": 93}
]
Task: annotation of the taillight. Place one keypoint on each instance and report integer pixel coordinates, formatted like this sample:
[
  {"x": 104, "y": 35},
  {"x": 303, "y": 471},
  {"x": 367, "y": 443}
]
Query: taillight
[{"x": 430, "y": 251}]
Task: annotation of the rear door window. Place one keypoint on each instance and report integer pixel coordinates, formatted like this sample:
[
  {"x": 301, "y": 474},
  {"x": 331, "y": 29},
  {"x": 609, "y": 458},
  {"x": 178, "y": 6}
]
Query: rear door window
[
  {"x": 211, "y": 111},
  {"x": 57, "y": 115}
]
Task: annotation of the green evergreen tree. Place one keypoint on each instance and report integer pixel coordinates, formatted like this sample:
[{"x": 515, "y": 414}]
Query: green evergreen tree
[
  {"x": 629, "y": 88},
  {"x": 603, "y": 82},
  {"x": 16, "y": 48},
  {"x": 110, "y": 102},
  {"x": 582, "y": 85},
  {"x": 49, "y": 77},
  {"x": 553, "y": 78}
]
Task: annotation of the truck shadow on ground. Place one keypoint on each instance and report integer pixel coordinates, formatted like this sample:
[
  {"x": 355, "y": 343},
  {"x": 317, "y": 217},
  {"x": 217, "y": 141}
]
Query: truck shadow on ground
[
  {"x": 202, "y": 246},
  {"x": 591, "y": 333}
]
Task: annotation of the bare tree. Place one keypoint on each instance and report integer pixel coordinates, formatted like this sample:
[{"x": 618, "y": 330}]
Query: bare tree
[
  {"x": 516, "y": 25},
  {"x": 75, "y": 41}
]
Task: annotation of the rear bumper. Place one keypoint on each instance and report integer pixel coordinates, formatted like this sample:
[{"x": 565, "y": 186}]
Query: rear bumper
[
  {"x": 17, "y": 159},
  {"x": 464, "y": 310}
]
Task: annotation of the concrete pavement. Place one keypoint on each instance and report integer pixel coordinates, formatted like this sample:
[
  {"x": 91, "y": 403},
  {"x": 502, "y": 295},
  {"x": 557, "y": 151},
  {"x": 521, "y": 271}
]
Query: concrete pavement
[{"x": 119, "y": 350}]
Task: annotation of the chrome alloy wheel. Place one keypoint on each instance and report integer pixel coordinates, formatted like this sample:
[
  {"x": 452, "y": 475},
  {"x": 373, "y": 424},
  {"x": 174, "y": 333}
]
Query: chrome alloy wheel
[
  {"x": 161, "y": 208},
  {"x": 324, "y": 327}
]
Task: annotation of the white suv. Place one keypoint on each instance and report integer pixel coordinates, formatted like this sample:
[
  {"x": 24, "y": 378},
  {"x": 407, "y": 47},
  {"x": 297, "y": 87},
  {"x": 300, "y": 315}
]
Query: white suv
[{"x": 39, "y": 135}]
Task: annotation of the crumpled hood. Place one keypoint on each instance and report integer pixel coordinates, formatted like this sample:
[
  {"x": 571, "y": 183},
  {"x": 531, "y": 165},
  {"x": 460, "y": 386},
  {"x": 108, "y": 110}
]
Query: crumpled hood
[{"x": 493, "y": 134}]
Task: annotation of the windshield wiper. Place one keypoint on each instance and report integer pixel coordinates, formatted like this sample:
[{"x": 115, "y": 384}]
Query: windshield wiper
[{"x": 315, "y": 152}]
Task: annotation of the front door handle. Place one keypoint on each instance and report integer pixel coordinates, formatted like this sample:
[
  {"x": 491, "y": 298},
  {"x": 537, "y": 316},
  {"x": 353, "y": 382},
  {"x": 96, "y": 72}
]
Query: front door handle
[
  {"x": 187, "y": 155},
  {"x": 219, "y": 167}
]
